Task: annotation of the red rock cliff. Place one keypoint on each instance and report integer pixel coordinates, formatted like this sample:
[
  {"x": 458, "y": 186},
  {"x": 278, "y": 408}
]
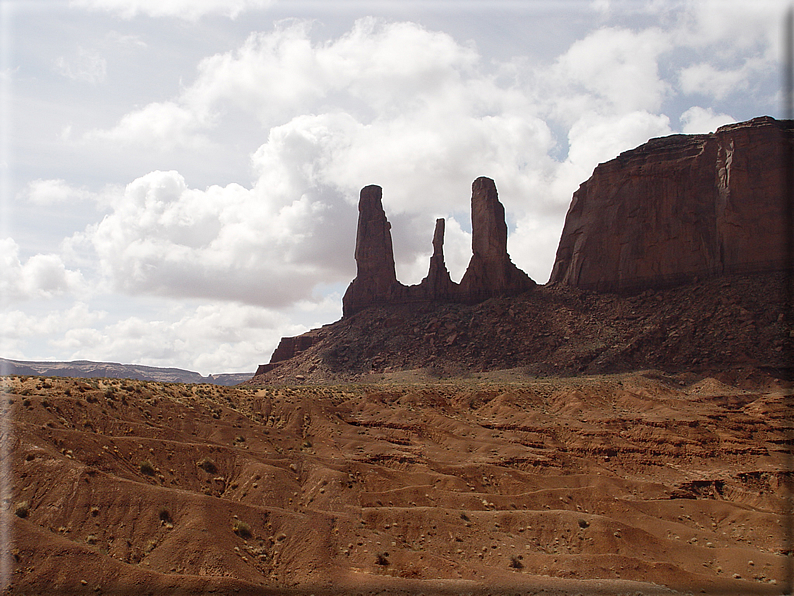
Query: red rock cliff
[{"x": 677, "y": 208}]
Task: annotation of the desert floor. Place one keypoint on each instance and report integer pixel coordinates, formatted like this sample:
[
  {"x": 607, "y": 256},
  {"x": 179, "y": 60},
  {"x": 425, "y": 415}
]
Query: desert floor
[{"x": 642, "y": 483}]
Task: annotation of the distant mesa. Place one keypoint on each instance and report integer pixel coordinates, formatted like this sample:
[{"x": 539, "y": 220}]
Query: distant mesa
[
  {"x": 679, "y": 208},
  {"x": 490, "y": 273},
  {"x": 86, "y": 369}
]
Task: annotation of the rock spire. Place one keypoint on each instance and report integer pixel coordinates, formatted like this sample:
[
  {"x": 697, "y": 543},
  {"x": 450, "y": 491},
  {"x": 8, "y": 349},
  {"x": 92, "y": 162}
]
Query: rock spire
[
  {"x": 376, "y": 281},
  {"x": 490, "y": 272}
]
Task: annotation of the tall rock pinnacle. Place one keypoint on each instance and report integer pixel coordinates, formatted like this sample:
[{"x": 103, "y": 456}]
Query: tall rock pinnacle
[
  {"x": 490, "y": 272},
  {"x": 374, "y": 253},
  {"x": 438, "y": 285},
  {"x": 376, "y": 281}
]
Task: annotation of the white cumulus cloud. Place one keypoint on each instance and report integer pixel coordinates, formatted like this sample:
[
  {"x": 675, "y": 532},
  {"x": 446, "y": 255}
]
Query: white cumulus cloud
[
  {"x": 39, "y": 276},
  {"x": 259, "y": 245},
  {"x": 161, "y": 126},
  {"x": 697, "y": 120},
  {"x": 611, "y": 70},
  {"x": 48, "y": 192}
]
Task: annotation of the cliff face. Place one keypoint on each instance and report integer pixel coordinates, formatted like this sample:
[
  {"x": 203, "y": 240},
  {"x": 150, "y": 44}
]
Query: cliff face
[
  {"x": 490, "y": 272},
  {"x": 678, "y": 208}
]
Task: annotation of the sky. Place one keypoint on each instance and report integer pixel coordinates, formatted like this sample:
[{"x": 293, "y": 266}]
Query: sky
[{"x": 179, "y": 178}]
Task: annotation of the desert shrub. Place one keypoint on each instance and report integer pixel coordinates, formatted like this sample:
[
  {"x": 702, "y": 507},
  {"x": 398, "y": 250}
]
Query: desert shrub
[
  {"x": 242, "y": 529},
  {"x": 94, "y": 511},
  {"x": 22, "y": 509},
  {"x": 26, "y": 402},
  {"x": 91, "y": 539},
  {"x": 164, "y": 515},
  {"x": 515, "y": 562},
  {"x": 147, "y": 468},
  {"x": 110, "y": 393},
  {"x": 207, "y": 465},
  {"x": 583, "y": 523},
  {"x": 382, "y": 559}
]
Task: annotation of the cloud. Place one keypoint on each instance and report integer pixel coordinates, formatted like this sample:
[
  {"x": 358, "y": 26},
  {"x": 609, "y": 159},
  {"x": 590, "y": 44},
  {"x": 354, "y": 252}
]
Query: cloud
[
  {"x": 88, "y": 66},
  {"x": 17, "y": 325},
  {"x": 387, "y": 66},
  {"x": 264, "y": 246},
  {"x": 133, "y": 41},
  {"x": 40, "y": 276},
  {"x": 184, "y": 9},
  {"x": 161, "y": 126},
  {"x": 707, "y": 79},
  {"x": 697, "y": 120},
  {"x": 379, "y": 69},
  {"x": 49, "y": 192},
  {"x": 611, "y": 70},
  {"x": 733, "y": 26},
  {"x": 209, "y": 338},
  {"x": 205, "y": 337}
]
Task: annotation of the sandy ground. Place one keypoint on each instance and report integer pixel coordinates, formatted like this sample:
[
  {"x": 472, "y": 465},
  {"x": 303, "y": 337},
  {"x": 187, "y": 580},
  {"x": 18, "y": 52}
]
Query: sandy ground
[{"x": 641, "y": 483}]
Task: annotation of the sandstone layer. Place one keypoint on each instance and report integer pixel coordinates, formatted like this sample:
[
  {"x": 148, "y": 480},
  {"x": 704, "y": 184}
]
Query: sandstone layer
[
  {"x": 679, "y": 208},
  {"x": 490, "y": 273}
]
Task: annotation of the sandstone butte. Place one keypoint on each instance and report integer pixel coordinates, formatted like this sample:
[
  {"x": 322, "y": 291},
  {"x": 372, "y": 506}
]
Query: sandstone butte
[
  {"x": 680, "y": 208},
  {"x": 675, "y": 210}
]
